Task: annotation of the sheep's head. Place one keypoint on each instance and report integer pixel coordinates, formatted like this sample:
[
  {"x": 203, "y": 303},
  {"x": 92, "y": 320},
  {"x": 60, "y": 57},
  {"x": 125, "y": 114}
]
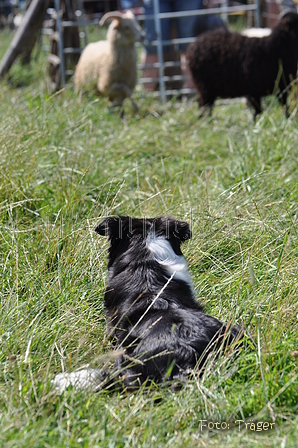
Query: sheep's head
[
  {"x": 123, "y": 28},
  {"x": 289, "y": 22}
]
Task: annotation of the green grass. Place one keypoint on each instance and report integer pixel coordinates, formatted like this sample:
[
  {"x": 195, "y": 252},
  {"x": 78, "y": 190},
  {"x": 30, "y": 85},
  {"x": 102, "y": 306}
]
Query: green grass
[{"x": 64, "y": 164}]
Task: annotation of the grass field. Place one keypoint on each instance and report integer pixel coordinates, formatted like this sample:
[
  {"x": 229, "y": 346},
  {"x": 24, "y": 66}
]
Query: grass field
[{"x": 66, "y": 163}]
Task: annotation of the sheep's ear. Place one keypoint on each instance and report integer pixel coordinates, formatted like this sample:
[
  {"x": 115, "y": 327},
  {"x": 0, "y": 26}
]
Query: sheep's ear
[{"x": 110, "y": 16}]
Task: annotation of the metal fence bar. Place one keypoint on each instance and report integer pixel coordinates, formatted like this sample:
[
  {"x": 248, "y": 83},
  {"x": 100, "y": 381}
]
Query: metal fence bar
[
  {"x": 224, "y": 14},
  {"x": 60, "y": 44},
  {"x": 70, "y": 50},
  {"x": 257, "y": 14},
  {"x": 159, "y": 51},
  {"x": 181, "y": 40},
  {"x": 73, "y": 23},
  {"x": 199, "y": 12}
]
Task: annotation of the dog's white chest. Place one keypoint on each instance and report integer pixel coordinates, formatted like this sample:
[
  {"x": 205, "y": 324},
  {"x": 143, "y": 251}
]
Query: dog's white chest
[{"x": 164, "y": 254}]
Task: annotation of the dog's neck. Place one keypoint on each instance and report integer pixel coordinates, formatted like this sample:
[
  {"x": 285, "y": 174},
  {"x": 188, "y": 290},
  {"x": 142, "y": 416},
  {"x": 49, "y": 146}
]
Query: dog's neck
[
  {"x": 164, "y": 254},
  {"x": 147, "y": 269}
]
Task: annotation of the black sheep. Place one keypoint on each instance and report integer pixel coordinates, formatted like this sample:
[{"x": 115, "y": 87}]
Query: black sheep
[{"x": 228, "y": 65}]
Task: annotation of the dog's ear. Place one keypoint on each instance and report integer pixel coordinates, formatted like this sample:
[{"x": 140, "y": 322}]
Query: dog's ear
[
  {"x": 181, "y": 230},
  {"x": 103, "y": 227},
  {"x": 113, "y": 227},
  {"x": 176, "y": 232},
  {"x": 172, "y": 229},
  {"x": 107, "y": 226}
]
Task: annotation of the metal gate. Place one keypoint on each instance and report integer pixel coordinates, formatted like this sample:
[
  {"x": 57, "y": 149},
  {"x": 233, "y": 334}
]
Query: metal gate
[{"x": 224, "y": 10}]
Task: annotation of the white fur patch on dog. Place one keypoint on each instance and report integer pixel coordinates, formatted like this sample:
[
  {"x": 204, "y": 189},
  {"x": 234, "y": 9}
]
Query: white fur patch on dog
[
  {"x": 81, "y": 379},
  {"x": 164, "y": 254}
]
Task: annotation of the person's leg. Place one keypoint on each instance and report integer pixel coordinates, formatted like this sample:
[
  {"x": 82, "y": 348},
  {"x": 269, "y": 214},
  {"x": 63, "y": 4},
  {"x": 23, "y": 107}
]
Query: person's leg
[
  {"x": 149, "y": 72},
  {"x": 188, "y": 84},
  {"x": 185, "y": 28},
  {"x": 185, "y": 25}
]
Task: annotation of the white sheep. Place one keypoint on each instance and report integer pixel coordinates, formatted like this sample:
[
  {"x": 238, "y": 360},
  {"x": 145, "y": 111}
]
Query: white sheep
[
  {"x": 110, "y": 66},
  {"x": 256, "y": 32},
  {"x": 287, "y": 6}
]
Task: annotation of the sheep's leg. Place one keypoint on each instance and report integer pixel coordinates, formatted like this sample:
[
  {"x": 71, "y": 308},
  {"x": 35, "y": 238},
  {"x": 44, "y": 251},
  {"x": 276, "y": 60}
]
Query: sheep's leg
[
  {"x": 116, "y": 108},
  {"x": 256, "y": 104},
  {"x": 134, "y": 105},
  {"x": 206, "y": 110},
  {"x": 205, "y": 105},
  {"x": 283, "y": 101},
  {"x": 118, "y": 92}
]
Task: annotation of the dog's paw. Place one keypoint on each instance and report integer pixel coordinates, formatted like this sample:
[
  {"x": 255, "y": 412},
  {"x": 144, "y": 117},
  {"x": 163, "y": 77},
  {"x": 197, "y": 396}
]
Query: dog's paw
[{"x": 81, "y": 379}]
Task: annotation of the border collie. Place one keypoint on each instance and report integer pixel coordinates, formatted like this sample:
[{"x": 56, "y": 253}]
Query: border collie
[{"x": 153, "y": 316}]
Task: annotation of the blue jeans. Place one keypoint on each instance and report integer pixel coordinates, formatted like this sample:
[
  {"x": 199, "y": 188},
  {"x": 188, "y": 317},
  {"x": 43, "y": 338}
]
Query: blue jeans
[{"x": 185, "y": 25}]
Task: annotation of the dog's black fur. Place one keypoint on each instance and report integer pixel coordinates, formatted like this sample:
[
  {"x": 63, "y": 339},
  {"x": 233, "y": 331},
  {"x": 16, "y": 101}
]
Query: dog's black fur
[{"x": 151, "y": 314}]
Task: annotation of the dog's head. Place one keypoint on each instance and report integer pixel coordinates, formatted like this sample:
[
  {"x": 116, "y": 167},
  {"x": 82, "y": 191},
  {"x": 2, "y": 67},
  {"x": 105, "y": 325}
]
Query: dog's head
[{"x": 124, "y": 231}]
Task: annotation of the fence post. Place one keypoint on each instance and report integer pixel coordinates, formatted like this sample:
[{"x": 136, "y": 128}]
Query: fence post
[{"x": 25, "y": 36}]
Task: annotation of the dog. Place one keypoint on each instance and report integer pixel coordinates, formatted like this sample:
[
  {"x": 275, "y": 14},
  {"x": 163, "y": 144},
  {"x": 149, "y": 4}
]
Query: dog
[{"x": 154, "y": 320}]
